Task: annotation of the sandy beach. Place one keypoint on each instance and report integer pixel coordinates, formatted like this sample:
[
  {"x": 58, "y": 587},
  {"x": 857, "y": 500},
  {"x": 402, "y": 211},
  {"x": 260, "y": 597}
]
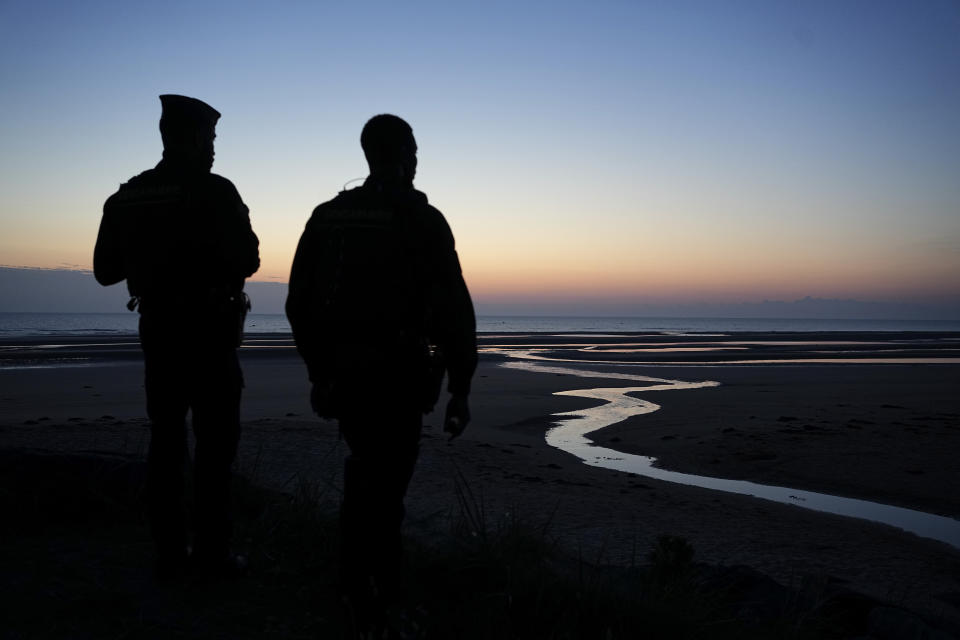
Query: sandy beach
[{"x": 885, "y": 432}]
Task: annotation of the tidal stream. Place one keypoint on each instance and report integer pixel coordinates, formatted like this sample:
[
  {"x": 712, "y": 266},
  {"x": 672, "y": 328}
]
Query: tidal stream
[{"x": 570, "y": 435}]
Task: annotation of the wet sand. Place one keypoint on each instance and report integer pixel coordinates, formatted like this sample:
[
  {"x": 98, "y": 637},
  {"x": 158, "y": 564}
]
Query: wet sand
[{"x": 886, "y": 433}]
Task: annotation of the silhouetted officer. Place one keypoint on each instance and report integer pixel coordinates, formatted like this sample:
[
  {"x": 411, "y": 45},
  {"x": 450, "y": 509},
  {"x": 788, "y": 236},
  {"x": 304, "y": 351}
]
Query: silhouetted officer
[
  {"x": 376, "y": 299},
  {"x": 181, "y": 238}
]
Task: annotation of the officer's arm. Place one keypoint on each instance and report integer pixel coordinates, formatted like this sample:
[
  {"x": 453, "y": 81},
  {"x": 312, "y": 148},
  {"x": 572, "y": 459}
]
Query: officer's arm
[
  {"x": 249, "y": 259},
  {"x": 458, "y": 335},
  {"x": 242, "y": 247},
  {"x": 457, "y": 330},
  {"x": 109, "y": 257},
  {"x": 461, "y": 347}
]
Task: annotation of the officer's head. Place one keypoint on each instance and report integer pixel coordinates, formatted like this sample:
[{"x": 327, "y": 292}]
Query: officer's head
[
  {"x": 390, "y": 148},
  {"x": 188, "y": 128}
]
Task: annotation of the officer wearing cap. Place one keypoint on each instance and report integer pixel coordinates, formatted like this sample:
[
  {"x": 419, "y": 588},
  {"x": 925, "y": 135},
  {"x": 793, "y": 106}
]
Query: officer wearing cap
[
  {"x": 380, "y": 311},
  {"x": 181, "y": 238}
]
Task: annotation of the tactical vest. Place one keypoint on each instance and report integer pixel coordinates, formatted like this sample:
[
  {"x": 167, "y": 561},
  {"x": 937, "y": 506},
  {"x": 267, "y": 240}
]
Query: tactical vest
[
  {"x": 372, "y": 283},
  {"x": 177, "y": 230}
]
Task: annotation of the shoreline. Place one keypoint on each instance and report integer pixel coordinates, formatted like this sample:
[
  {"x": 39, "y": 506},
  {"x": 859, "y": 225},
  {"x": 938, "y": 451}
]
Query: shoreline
[{"x": 651, "y": 348}]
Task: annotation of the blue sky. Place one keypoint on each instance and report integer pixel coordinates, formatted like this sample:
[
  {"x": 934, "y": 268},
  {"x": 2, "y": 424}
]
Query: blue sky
[{"x": 648, "y": 152}]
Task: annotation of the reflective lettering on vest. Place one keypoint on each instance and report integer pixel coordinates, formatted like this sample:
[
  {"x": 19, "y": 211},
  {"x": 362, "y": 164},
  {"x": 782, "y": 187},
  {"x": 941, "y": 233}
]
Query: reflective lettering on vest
[{"x": 158, "y": 194}]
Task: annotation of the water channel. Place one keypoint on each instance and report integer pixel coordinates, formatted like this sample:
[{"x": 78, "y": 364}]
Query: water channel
[{"x": 570, "y": 435}]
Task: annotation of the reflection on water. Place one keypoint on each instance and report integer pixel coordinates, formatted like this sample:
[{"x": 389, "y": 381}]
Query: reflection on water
[
  {"x": 542, "y": 355},
  {"x": 65, "y": 346},
  {"x": 659, "y": 349},
  {"x": 570, "y": 435},
  {"x": 603, "y": 346},
  {"x": 55, "y": 364}
]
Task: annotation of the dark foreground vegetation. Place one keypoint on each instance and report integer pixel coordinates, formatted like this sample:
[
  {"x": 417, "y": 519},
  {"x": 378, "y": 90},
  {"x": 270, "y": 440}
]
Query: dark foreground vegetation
[{"x": 76, "y": 563}]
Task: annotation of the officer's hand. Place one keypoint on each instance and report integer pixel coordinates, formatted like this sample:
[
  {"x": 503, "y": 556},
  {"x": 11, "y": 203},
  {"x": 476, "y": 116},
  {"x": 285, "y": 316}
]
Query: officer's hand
[
  {"x": 458, "y": 416},
  {"x": 321, "y": 400}
]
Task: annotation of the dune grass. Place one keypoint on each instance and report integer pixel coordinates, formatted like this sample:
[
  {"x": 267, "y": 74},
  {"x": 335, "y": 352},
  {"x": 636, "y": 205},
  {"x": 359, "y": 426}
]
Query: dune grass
[{"x": 77, "y": 563}]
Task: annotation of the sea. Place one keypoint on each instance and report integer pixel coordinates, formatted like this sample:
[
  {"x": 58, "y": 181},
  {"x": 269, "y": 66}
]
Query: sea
[{"x": 25, "y": 325}]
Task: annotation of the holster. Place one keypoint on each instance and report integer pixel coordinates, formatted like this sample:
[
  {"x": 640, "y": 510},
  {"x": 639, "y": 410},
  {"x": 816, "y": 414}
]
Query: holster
[
  {"x": 433, "y": 369},
  {"x": 220, "y": 315},
  {"x": 226, "y": 315}
]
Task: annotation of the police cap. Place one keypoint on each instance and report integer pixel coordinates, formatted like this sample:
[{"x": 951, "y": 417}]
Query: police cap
[{"x": 180, "y": 112}]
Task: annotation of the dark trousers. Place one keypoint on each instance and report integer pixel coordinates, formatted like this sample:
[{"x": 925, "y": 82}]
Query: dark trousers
[
  {"x": 384, "y": 441},
  {"x": 182, "y": 377}
]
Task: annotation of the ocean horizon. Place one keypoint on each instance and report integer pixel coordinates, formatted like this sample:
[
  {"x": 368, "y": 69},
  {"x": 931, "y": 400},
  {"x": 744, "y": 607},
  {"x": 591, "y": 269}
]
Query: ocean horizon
[{"x": 25, "y": 325}]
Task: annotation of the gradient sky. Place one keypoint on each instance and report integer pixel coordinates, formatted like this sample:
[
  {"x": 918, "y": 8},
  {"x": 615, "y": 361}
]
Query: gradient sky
[{"x": 656, "y": 152}]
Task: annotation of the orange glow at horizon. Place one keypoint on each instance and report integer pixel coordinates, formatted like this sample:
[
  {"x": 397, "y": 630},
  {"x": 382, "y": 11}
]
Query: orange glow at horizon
[
  {"x": 597, "y": 265},
  {"x": 675, "y": 281}
]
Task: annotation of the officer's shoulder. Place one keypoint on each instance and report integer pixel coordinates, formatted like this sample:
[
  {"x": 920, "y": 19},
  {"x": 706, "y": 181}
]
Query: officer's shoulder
[
  {"x": 418, "y": 198},
  {"x": 324, "y": 206},
  {"x": 131, "y": 189},
  {"x": 317, "y": 216},
  {"x": 417, "y": 201},
  {"x": 349, "y": 197},
  {"x": 140, "y": 180},
  {"x": 343, "y": 200},
  {"x": 220, "y": 183},
  {"x": 429, "y": 214}
]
